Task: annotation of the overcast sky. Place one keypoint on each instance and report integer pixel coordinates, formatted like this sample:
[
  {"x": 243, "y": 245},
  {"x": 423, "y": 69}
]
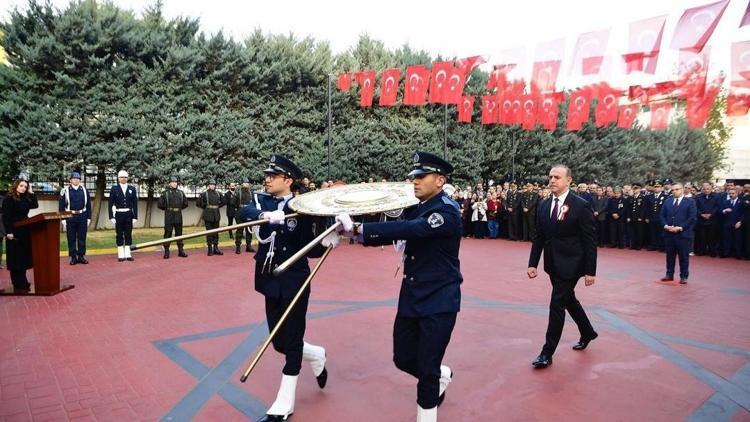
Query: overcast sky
[{"x": 459, "y": 29}]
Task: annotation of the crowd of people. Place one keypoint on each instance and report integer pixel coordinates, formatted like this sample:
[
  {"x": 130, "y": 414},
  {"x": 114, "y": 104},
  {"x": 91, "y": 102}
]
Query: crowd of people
[{"x": 627, "y": 216}]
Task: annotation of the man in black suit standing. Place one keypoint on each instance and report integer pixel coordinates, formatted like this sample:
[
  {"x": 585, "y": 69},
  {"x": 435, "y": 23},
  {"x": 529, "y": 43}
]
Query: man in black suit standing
[{"x": 565, "y": 233}]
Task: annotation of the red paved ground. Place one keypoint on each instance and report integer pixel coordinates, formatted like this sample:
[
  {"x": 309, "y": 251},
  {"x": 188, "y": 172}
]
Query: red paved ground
[{"x": 114, "y": 348}]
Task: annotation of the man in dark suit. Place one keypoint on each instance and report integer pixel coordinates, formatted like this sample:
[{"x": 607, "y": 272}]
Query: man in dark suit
[
  {"x": 565, "y": 233},
  {"x": 731, "y": 231},
  {"x": 708, "y": 204},
  {"x": 678, "y": 217}
]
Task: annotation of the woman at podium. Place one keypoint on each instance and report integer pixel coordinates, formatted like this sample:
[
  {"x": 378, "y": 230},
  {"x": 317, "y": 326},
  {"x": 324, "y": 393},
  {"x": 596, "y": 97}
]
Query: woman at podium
[{"x": 16, "y": 206}]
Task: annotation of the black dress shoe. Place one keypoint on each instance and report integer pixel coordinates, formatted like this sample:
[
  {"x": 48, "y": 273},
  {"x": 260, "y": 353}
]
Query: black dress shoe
[
  {"x": 584, "y": 342},
  {"x": 166, "y": 253},
  {"x": 130, "y": 258},
  {"x": 82, "y": 260},
  {"x": 120, "y": 259},
  {"x": 274, "y": 418},
  {"x": 237, "y": 249},
  {"x": 73, "y": 260},
  {"x": 181, "y": 253},
  {"x": 683, "y": 281},
  {"x": 322, "y": 378},
  {"x": 249, "y": 248},
  {"x": 667, "y": 278},
  {"x": 217, "y": 251},
  {"x": 542, "y": 361},
  {"x": 210, "y": 251}
]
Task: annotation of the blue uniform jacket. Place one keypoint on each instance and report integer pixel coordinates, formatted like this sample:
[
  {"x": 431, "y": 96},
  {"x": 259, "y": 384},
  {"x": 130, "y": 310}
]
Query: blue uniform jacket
[
  {"x": 735, "y": 216},
  {"x": 76, "y": 200},
  {"x": 119, "y": 200},
  {"x": 432, "y": 275},
  {"x": 685, "y": 216},
  {"x": 290, "y": 238}
]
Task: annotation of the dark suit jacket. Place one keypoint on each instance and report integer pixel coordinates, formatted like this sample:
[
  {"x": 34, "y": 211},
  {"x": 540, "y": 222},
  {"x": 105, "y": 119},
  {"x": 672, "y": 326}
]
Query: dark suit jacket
[
  {"x": 735, "y": 216},
  {"x": 569, "y": 245},
  {"x": 685, "y": 216}
]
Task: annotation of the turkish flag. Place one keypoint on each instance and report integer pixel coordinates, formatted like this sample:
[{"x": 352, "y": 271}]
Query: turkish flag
[
  {"x": 549, "y": 105},
  {"x": 660, "y": 114},
  {"x": 628, "y": 114},
  {"x": 588, "y": 54},
  {"x": 366, "y": 81},
  {"x": 505, "y": 107},
  {"x": 389, "y": 86},
  {"x": 466, "y": 109},
  {"x": 607, "y": 107},
  {"x": 498, "y": 78},
  {"x": 644, "y": 44},
  {"x": 738, "y": 103},
  {"x": 638, "y": 93},
  {"x": 529, "y": 104},
  {"x": 746, "y": 16},
  {"x": 489, "y": 109},
  {"x": 740, "y": 75},
  {"x": 441, "y": 72},
  {"x": 697, "y": 110},
  {"x": 344, "y": 82},
  {"x": 697, "y": 25},
  {"x": 544, "y": 76},
  {"x": 693, "y": 70},
  {"x": 579, "y": 108},
  {"x": 415, "y": 85},
  {"x": 455, "y": 89},
  {"x": 465, "y": 66},
  {"x": 516, "y": 109}
]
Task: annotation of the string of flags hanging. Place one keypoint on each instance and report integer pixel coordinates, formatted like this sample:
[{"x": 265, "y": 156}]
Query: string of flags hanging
[{"x": 511, "y": 101}]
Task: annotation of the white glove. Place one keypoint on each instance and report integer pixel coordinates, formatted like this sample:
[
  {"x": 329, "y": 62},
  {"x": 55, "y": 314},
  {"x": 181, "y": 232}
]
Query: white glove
[
  {"x": 113, "y": 220},
  {"x": 331, "y": 240},
  {"x": 134, "y": 220},
  {"x": 64, "y": 224},
  {"x": 274, "y": 217},
  {"x": 88, "y": 222},
  {"x": 346, "y": 222}
]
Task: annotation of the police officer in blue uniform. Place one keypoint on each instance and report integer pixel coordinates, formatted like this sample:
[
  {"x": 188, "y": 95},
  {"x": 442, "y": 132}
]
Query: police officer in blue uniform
[
  {"x": 430, "y": 295},
  {"x": 655, "y": 203},
  {"x": 279, "y": 240},
  {"x": 123, "y": 213},
  {"x": 75, "y": 198}
]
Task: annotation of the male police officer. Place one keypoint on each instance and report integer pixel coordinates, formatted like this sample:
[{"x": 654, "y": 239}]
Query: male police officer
[
  {"x": 211, "y": 201},
  {"x": 123, "y": 213},
  {"x": 430, "y": 291},
  {"x": 242, "y": 198},
  {"x": 173, "y": 201},
  {"x": 75, "y": 198},
  {"x": 280, "y": 239}
]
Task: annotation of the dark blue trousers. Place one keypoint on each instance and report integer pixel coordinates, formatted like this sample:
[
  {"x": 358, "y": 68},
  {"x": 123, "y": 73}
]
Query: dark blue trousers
[
  {"x": 418, "y": 348},
  {"x": 76, "y": 231},
  {"x": 675, "y": 247}
]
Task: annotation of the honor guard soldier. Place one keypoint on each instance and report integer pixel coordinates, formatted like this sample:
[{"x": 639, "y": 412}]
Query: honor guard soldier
[
  {"x": 656, "y": 201},
  {"x": 279, "y": 240},
  {"x": 211, "y": 201},
  {"x": 123, "y": 213},
  {"x": 242, "y": 199},
  {"x": 529, "y": 200},
  {"x": 75, "y": 198},
  {"x": 637, "y": 217},
  {"x": 231, "y": 207},
  {"x": 430, "y": 295},
  {"x": 172, "y": 201}
]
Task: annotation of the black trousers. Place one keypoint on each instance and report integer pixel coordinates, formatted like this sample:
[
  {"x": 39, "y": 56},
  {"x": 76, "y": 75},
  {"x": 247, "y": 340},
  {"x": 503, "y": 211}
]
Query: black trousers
[
  {"x": 528, "y": 225},
  {"x": 177, "y": 228},
  {"x": 19, "y": 280},
  {"x": 617, "y": 233},
  {"x": 705, "y": 239},
  {"x": 418, "y": 348},
  {"x": 514, "y": 226},
  {"x": 289, "y": 340},
  {"x": 601, "y": 232},
  {"x": 564, "y": 298},
  {"x": 639, "y": 232},
  {"x": 124, "y": 228},
  {"x": 677, "y": 247},
  {"x": 76, "y": 233},
  {"x": 212, "y": 239},
  {"x": 656, "y": 235},
  {"x": 241, "y": 233},
  {"x": 731, "y": 241}
]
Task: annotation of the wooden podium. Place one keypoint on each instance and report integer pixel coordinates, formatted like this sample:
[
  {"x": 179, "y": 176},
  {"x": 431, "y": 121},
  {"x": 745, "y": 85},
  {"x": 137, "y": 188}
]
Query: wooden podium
[{"x": 45, "y": 252}]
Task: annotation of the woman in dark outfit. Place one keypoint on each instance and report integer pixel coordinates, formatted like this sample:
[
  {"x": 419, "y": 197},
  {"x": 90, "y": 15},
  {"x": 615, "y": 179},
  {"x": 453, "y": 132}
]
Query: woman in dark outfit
[{"x": 16, "y": 207}]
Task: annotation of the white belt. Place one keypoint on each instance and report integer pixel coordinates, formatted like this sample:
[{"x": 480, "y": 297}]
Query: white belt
[{"x": 122, "y": 209}]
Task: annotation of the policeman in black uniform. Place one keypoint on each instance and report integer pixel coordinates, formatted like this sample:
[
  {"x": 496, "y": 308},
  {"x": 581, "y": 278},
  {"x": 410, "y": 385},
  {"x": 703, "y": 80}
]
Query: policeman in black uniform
[
  {"x": 430, "y": 290},
  {"x": 123, "y": 213},
  {"x": 231, "y": 208},
  {"x": 279, "y": 240},
  {"x": 75, "y": 198},
  {"x": 616, "y": 212},
  {"x": 637, "y": 217},
  {"x": 172, "y": 201},
  {"x": 211, "y": 201},
  {"x": 243, "y": 198},
  {"x": 656, "y": 202}
]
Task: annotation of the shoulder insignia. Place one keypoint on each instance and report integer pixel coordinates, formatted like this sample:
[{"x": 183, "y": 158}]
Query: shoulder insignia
[{"x": 435, "y": 220}]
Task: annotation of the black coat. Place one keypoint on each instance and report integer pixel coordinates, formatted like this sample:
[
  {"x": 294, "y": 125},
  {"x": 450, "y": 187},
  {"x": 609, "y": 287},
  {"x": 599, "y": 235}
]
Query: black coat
[
  {"x": 18, "y": 249},
  {"x": 569, "y": 245}
]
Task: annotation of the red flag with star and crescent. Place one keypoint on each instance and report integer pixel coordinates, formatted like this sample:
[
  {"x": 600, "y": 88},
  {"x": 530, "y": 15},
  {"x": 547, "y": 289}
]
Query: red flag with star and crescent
[
  {"x": 644, "y": 44},
  {"x": 489, "y": 109},
  {"x": 660, "y": 114},
  {"x": 389, "y": 86},
  {"x": 627, "y": 115},
  {"x": 607, "y": 107},
  {"x": 696, "y": 25},
  {"x": 549, "y": 105},
  {"x": 465, "y": 109},
  {"x": 579, "y": 108},
  {"x": 366, "y": 81},
  {"x": 415, "y": 85},
  {"x": 344, "y": 82}
]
